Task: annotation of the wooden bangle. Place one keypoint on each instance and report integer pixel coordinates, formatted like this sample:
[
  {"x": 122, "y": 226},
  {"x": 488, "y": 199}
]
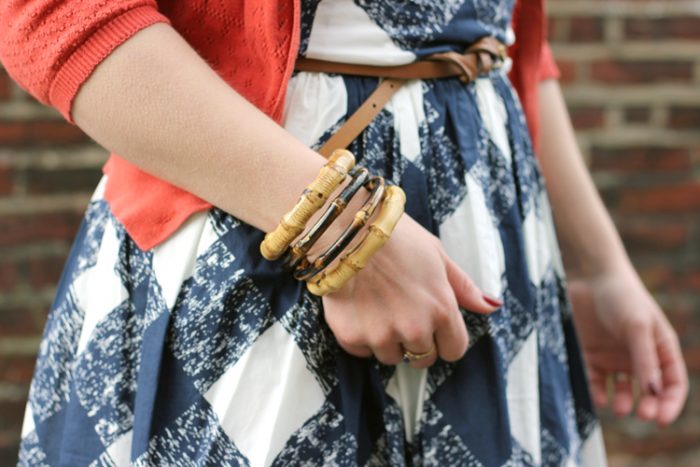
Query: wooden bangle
[
  {"x": 376, "y": 185},
  {"x": 314, "y": 196},
  {"x": 375, "y": 237},
  {"x": 296, "y": 255}
]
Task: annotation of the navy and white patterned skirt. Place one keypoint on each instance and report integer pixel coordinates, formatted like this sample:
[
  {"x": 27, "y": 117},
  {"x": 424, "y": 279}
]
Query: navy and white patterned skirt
[{"x": 199, "y": 352}]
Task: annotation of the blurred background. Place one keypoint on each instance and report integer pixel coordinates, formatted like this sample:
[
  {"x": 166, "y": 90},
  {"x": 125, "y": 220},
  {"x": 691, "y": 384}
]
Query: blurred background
[{"x": 631, "y": 76}]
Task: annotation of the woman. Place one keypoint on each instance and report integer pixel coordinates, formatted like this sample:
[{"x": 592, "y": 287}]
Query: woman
[{"x": 171, "y": 341}]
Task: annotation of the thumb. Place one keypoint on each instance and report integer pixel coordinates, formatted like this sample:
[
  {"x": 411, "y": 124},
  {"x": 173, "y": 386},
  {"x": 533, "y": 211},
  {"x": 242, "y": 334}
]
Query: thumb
[{"x": 468, "y": 295}]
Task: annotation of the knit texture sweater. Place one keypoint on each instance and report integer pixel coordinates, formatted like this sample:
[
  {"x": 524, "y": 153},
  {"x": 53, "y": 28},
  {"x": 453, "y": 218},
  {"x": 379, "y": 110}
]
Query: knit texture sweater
[{"x": 51, "y": 47}]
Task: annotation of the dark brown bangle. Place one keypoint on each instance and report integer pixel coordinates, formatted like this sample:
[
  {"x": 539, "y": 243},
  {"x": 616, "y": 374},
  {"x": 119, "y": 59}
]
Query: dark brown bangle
[
  {"x": 376, "y": 186},
  {"x": 296, "y": 254}
]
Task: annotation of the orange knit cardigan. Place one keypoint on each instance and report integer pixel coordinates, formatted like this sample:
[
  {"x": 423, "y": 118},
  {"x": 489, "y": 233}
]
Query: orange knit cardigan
[{"x": 50, "y": 48}]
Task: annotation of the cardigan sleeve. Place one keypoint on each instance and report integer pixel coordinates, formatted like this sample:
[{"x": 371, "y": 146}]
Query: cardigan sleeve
[
  {"x": 548, "y": 68},
  {"x": 50, "y": 47}
]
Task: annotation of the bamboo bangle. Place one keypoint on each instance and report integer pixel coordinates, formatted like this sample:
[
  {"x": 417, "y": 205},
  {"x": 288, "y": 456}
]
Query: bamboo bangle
[
  {"x": 296, "y": 255},
  {"x": 314, "y": 196},
  {"x": 376, "y": 185},
  {"x": 375, "y": 237}
]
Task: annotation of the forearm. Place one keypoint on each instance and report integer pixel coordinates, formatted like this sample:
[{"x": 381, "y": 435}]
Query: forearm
[
  {"x": 157, "y": 103},
  {"x": 588, "y": 238}
]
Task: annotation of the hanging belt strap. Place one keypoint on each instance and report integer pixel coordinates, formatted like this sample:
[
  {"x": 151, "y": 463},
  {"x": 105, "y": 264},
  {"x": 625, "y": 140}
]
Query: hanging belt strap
[{"x": 481, "y": 57}]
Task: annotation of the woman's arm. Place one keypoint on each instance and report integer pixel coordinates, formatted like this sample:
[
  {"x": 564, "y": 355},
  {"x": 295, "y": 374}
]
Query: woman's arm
[
  {"x": 156, "y": 103},
  {"x": 622, "y": 328},
  {"x": 589, "y": 248}
]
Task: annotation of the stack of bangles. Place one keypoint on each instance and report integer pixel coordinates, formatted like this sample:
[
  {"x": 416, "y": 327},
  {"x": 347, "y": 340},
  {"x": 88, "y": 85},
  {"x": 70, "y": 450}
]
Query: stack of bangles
[{"x": 321, "y": 277}]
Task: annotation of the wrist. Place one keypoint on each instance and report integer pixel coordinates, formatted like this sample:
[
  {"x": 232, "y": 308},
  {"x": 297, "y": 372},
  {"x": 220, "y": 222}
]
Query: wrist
[{"x": 585, "y": 258}]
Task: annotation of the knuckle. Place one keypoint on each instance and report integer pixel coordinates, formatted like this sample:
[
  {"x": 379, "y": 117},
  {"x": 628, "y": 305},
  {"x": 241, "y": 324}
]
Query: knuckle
[
  {"x": 456, "y": 350},
  {"x": 466, "y": 284},
  {"x": 638, "y": 324},
  {"x": 381, "y": 337},
  {"x": 415, "y": 332},
  {"x": 350, "y": 339},
  {"x": 442, "y": 314}
]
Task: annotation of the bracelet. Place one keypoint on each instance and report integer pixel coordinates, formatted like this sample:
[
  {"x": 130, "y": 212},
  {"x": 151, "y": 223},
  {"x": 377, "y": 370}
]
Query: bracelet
[
  {"x": 375, "y": 237},
  {"x": 376, "y": 185},
  {"x": 296, "y": 255},
  {"x": 314, "y": 196}
]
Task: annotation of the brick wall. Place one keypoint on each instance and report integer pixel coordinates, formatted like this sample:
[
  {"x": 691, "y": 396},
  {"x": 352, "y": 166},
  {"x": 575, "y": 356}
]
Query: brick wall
[
  {"x": 47, "y": 170},
  {"x": 631, "y": 71}
]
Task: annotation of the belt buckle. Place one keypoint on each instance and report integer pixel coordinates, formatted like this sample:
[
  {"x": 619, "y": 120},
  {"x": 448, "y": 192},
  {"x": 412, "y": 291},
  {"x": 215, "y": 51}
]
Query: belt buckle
[{"x": 502, "y": 55}]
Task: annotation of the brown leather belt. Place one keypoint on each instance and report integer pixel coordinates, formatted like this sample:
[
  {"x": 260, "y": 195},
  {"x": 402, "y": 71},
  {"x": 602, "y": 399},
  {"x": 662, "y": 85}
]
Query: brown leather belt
[{"x": 479, "y": 58}]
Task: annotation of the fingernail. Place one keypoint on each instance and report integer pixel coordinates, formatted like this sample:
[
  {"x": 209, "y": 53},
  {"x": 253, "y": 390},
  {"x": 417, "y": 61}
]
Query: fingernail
[
  {"x": 653, "y": 388},
  {"x": 492, "y": 301}
]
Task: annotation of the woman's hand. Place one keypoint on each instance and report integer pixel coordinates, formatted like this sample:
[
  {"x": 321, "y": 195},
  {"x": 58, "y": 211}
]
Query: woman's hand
[
  {"x": 407, "y": 297},
  {"x": 625, "y": 335}
]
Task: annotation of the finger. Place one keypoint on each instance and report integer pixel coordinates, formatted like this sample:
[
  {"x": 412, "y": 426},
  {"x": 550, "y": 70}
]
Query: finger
[
  {"x": 644, "y": 359},
  {"x": 674, "y": 377},
  {"x": 348, "y": 337},
  {"x": 466, "y": 292},
  {"x": 648, "y": 406},
  {"x": 384, "y": 344},
  {"x": 671, "y": 404},
  {"x": 358, "y": 350},
  {"x": 388, "y": 354},
  {"x": 598, "y": 385},
  {"x": 451, "y": 336},
  {"x": 623, "y": 398},
  {"x": 421, "y": 346}
]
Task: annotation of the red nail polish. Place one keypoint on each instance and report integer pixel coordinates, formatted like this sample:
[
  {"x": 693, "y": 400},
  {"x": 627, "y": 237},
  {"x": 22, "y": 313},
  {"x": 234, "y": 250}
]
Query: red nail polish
[
  {"x": 492, "y": 301},
  {"x": 653, "y": 388}
]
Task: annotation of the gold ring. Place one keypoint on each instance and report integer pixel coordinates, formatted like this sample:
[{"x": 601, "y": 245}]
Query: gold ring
[{"x": 409, "y": 356}]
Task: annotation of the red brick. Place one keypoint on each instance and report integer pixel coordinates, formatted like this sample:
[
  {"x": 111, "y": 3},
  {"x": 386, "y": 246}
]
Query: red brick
[
  {"x": 553, "y": 29},
  {"x": 10, "y": 275},
  {"x": 645, "y": 237},
  {"x": 652, "y": 71},
  {"x": 568, "y": 70},
  {"x": 62, "y": 180},
  {"x": 691, "y": 356},
  {"x": 6, "y": 183},
  {"x": 4, "y": 85},
  {"x": 684, "y": 118},
  {"x": 661, "y": 443},
  {"x": 9, "y": 445},
  {"x": 24, "y": 229},
  {"x": 16, "y": 369},
  {"x": 13, "y": 412},
  {"x": 45, "y": 271},
  {"x": 637, "y": 114},
  {"x": 670, "y": 198},
  {"x": 671, "y": 278},
  {"x": 40, "y": 133},
  {"x": 55, "y": 132},
  {"x": 640, "y": 159},
  {"x": 663, "y": 28},
  {"x": 21, "y": 321},
  {"x": 12, "y": 133},
  {"x": 587, "y": 117},
  {"x": 585, "y": 29},
  {"x": 681, "y": 311}
]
